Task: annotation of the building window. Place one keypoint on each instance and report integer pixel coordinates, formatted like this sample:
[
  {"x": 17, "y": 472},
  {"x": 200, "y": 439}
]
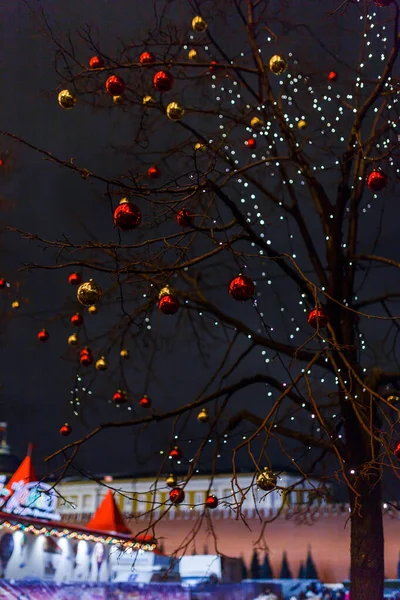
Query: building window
[
  {"x": 199, "y": 498},
  {"x": 87, "y": 505},
  {"x": 72, "y": 503}
]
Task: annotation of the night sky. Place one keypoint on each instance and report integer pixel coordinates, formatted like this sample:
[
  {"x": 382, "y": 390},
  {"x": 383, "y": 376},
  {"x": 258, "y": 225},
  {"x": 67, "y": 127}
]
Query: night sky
[{"x": 40, "y": 197}]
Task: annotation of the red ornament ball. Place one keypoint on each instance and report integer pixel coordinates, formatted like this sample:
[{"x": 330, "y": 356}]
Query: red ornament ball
[
  {"x": 153, "y": 172},
  {"x": 96, "y": 62},
  {"x": 177, "y": 495},
  {"x": 74, "y": 278},
  {"x": 185, "y": 218},
  {"x": 383, "y": 3},
  {"x": 65, "y": 430},
  {"x": 317, "y": 318},
  {"x": 127, "y": 216},
  {"x": 332, "y": 76},
  {"x": 2, "y": 283},
  {"x": 241, "y": 288},
  {"x": 176, "y": 453},
  {"x": 251, "y": 143},
  {"x": 115, "y": 85},
  {"x": 397, "y": 450},
  {"x": 376, "y": 181},
  {"x": 43, "y": 335},
  {"x": 147, "y": 58},
  {"x": 211, "y": 501},
  {"x": 213, "y": 66},
  {"x": 86, "y": 358},
  {"x": 168, "y": 305},
  {"x": 145, "y": 402},
  {"x": 76, "y": 320},
  {"x": 163, "y": 81},
  {"x": 120, "y": 397}
]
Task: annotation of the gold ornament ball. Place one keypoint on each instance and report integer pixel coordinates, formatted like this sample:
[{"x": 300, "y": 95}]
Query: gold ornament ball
[
  {"x": 175, "y": 111},
  {"x": 256, "y": 123},
  {"x": 193, "y": 54},
  {"x": 73, "y": 340},
  {"x": 198, "y": 24},
  {"x": 66, "y": 99},
  {"x": 89, "y": 293},
  {"x": 392, "y": 398},
  {"x": 15, "y": 304},
  {"x": 200, "y": 147},
  {"x": 148, "y": 100},
  {"x": 118, "y": 99},
  {"x": 101, "y": 364},
  {"x": 202, "y": 417},
  {"x": 278, "y": 64},
  {"x": 124, "y": 353},
  {"x": 302, "y": 124},
  {"x": 171, "y": 480},
  {"x": 93, "y": 309},
  {"x": 266, "y": 480}
]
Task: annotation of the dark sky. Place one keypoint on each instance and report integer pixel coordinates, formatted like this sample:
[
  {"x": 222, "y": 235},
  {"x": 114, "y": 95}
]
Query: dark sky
[{"x": 42, "y": 198}]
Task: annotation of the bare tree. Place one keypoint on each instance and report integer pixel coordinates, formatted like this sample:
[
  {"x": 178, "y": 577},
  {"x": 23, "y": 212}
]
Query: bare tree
[{"x": 263, "y": 162}]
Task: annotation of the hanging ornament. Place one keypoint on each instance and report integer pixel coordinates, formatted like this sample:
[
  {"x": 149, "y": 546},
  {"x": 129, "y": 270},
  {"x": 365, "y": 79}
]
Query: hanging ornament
[
  {"x": 176, "y": 453},
  {"x": 120, "y": 397},
  {"x": 118, "y": 100},
  {"x": 177, "y": 495},
  {"x": 278, "y": 64},
  {"x": 96, "y": 62},
  {"x": 241, "y": 288},
  {"x": 317, "y": 318},
  {"x": 383, "y": 3},
  {"x": 73, "y": 340},
  {"x": 101, "y": 364},
  {"x": 163, "y": 81},
  {"x": 302, "y": 124},
  {"x": 65, "y": 430},
  {"x": 74, "y": 278},
  {"x": 193, "y": 54},
  {"x": 127, "y": 216},
  {"x": 15, "y": 305},
  {"x": 168, "y": 304},
  {"x": 76, "y": 320},
  {"x": 397, "y": 450},
  {"x": 332, "y": 75},
  {"x": 266, "y": 480},
  {"x": 202, "y": 417},
  {"x": 213, "y": 66},
  {"x": 86, "y": 357},
  {"x": 148, "y": 100},
  {"x": 66, "y": 99},
  {"x": 200, "y": 146},
  {"x": 92, "y": 309},
  {"x": 124, "y": 353},
  {"x": 171, "y": 480},
  {"x": 153, "y": 172},
  {"x": 147, "y": 58},
  {"x": 145, "y": 402},
  {"x": 175, "y": 111},
  {"x": 89, "y": 293},
  {"x": 115, "y": 85},
  {"x": 377, "y": 181},
  {"x": 199, "y": 24},
  {"x": 211, "y": 501},
  {"x": 43, "y": 335},
  {"x": 185, "y": 218},
  {"x": 393, "y": 399},
  {"x": 251, "y": 143},
  {"x": 2, "y": 283},
  {"x": 256, "y": 123}
]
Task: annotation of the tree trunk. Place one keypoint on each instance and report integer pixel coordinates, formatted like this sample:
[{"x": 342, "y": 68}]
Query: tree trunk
[{"x": 367, "y": 544}]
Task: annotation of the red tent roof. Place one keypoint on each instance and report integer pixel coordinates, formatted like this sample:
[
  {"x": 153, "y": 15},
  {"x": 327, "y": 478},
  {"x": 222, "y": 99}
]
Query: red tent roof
[
  {"x": 108, "y": 517},
  {"x": 25, "y": 473}
]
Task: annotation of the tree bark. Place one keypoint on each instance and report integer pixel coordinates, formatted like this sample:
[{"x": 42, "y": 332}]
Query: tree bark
[{"x": 367, "y": 541}]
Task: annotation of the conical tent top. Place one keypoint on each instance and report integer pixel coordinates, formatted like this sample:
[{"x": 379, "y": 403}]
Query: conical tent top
[
  {"x": 25, "y": 473},
  {"x": 108, "y": 517}
]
